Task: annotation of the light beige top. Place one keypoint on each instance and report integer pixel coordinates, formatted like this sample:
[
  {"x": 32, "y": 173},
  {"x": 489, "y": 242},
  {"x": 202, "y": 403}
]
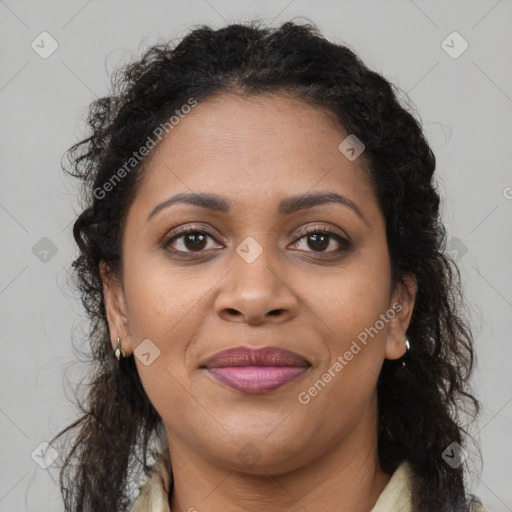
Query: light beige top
[{"x": 153, "y": 496}]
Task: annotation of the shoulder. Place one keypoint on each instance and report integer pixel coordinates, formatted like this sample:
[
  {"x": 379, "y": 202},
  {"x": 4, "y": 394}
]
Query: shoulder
[
  {"x": 154, "y": 493},
  {"x": 398, "y": 491},
  {"x": 476, "y": 505},
  {"x": 397, "y": 495}
]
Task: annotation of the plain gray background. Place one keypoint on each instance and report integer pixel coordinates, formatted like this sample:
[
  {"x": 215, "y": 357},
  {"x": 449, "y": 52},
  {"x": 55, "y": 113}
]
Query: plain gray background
[{"x": 465, "y": 104}]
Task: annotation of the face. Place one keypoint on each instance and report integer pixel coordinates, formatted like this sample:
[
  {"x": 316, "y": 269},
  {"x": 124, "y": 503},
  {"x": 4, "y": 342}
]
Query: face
[{"x": 309, "y": 280}]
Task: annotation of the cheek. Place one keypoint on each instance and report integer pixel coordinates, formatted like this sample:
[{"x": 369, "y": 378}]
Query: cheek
[
  {"x": 162, "y": 302},
  {"x": 163, "y": 308},
  {"x": 164, "y": 384},
  {"x": 350, "y": 304},
  {"x": 351, "y": 300},
  {"x": 355, "y": 341}
]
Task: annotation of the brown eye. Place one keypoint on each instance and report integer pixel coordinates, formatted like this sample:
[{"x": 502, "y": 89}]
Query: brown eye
[
  {"x": 191, "y": 239},
  {"x": 194, "y": 241},
  {"x": 319, "y": 240}
]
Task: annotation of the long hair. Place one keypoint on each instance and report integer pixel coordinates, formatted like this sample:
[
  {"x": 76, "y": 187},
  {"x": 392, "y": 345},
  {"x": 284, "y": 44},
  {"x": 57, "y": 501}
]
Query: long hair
[{"x": 419, "y": 406}]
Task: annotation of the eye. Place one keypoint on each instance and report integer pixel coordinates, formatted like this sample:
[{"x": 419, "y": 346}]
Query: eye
[
  {"x": 319, "y": 239},
  {"x": 195, "y": 239},
  {"x": 192, "y": 238}
]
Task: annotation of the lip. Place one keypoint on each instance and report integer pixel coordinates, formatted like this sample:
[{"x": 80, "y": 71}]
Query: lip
[{"x": 256, "y": 370}]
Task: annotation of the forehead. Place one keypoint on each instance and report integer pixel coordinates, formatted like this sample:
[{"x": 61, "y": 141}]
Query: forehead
[{"x": 253, "y": 149}]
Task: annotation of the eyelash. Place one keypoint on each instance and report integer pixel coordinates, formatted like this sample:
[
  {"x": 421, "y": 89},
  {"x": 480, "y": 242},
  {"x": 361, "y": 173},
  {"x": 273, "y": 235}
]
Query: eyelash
[{"x": 345, "y": 245}]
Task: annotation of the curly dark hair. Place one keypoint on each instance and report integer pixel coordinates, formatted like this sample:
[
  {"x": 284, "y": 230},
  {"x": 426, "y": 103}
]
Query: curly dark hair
[{"x": 420, "y": 405}]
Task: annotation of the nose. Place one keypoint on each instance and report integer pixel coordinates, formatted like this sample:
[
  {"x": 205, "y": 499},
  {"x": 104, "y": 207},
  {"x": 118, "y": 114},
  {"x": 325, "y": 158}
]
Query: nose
[{"x": 254, "y": 293}]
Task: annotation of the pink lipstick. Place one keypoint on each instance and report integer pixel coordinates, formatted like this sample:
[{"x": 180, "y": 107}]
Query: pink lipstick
[{"x": 256, "y": 370}]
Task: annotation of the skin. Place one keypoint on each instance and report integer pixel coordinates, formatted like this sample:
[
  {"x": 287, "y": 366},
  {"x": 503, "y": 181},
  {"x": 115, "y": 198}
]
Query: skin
[{"x": 255, "y": 152}]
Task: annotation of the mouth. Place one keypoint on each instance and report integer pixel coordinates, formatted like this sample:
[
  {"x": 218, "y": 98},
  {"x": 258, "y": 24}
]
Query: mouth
[{"x": 256, "y": 370}]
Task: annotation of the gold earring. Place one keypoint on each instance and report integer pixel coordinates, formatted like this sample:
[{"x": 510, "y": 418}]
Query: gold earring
[
  {"x": 119, "y": 350},
  {"x": 407, "y": 347}
]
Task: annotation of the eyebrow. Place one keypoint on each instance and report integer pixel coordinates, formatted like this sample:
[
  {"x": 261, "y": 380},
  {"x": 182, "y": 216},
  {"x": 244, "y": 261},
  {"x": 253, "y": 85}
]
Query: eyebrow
[{"x": 287, "y": 206}]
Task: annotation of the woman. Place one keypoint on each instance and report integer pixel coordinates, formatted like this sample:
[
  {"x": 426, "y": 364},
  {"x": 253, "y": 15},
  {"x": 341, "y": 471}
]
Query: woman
[{"x": 275, "y": 324}]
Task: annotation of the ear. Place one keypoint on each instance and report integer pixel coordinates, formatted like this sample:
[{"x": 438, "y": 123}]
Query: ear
[
  {"x": 115, "y": 305},
  {"x": 402, "y": 302}
]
